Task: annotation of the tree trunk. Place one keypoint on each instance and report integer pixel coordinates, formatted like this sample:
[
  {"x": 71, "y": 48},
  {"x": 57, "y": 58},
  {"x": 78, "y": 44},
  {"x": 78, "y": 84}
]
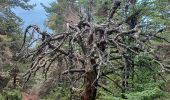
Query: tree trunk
[{"x": 90, "y": 86}]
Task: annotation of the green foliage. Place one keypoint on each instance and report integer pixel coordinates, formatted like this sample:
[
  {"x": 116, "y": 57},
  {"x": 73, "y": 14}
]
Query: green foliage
[
  {"x": 149, "y": 94},
  {"x": 17, "y": 3},
  {"x": 57, "y": 13},
  {"x": 103, "y": 95},
  {"x": 11, "y": 94},
  {"x": 146, "y": 82},
  {"x": 10, "y": 41},
  {"x": 145, "y": 69},
  {"x": 9, "y": 22},
  {"x": 59, "y": 93}
]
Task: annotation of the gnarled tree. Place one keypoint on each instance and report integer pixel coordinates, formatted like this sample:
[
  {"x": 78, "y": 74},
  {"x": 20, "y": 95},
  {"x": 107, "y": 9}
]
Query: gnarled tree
[{"x": 91, "y": 50}]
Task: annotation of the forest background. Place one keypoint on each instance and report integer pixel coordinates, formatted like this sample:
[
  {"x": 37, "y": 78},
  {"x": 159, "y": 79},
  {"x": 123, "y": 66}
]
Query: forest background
[{"x": 85, "y": 50}]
